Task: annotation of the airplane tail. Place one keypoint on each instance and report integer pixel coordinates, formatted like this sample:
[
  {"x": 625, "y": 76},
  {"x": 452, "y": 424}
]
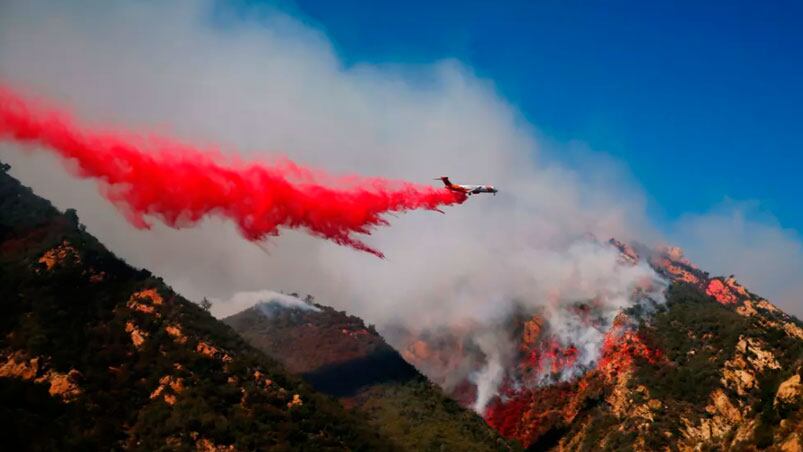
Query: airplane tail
[{"x": 445, "y": 180}]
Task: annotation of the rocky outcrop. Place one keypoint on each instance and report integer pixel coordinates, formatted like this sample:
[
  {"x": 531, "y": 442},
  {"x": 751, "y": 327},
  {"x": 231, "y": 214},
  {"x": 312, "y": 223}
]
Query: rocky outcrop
[
  {"x": 146, "y": 301},
  {"x": 175, "y": 332},
  {"x": 723, "y": 417},
  {"x": 747, "y": 309},
  {"x": 169, "y": 387},
  {"x": 750, "y": 358},
  {"x": 137, "y": 336},
  {"x": 65, "y": 252},
  {"x": 789, "y": 391},
  {"x": 792, "y": 443},
  {"x": 62, "y": 385}
]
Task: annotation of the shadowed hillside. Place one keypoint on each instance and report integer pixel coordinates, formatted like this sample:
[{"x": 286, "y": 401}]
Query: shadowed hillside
[
  {"x": 96, "y": 355},
  {"x": 340, "y": 356}
]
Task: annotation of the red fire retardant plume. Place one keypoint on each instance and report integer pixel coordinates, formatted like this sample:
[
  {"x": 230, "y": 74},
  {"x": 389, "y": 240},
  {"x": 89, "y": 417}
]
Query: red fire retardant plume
[{"x": 146, "y": 175}]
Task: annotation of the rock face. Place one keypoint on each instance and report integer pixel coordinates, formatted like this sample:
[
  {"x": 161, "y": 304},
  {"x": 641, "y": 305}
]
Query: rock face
[
  {"x": 789, "y": 392},
  {"x": 61, "y": 385},
  {"x": 95, "y": 355},
  {"x": 64, "y": 252}
]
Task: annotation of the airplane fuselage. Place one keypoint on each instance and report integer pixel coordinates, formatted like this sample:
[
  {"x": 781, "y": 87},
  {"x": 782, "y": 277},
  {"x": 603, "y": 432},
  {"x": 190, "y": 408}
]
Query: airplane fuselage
[{"x": 468, "y": 189}]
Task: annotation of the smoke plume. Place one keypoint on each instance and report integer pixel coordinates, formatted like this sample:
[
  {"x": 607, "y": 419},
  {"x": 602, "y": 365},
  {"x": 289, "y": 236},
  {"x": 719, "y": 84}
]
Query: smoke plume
[
  {"x": 261, "y": 81},
  {"x": 268, "y": 301},
  {"x": 180, "y": 184}
]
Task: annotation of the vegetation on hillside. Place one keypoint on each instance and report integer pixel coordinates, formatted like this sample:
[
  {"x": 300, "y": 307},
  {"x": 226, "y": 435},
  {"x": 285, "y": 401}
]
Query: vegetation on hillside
[
  {"x": 714, "y": 383},
  {"x": 342, "y": 356},
  {"x": 696, "y": 337},
  {"x": 700, "y": 338},
  {"x": 97, "y": 355}
]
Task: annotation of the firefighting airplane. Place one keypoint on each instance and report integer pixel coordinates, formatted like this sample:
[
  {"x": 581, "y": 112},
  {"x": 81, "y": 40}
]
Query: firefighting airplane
[{"x": 467, "y": 189}]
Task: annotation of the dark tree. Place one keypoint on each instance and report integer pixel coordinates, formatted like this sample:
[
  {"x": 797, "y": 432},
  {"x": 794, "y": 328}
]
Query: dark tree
[{"x": 206, "y": 304}]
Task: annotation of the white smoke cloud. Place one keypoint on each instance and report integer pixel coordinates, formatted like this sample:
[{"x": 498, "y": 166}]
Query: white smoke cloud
[
  {"x": 529, "y": 280},
  {"x": 264, "y": 299},
  {"x": 267, "y": 84},
  {"x": 742, "y": 239},
  {"x": 497, "y": 346}
]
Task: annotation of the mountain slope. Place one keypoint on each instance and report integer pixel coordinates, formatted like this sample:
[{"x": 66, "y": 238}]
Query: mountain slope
[
  {"x": 97, "y": 355},
  {"x": 340, "y": 356},
  {"x": 715, "y": 367}
]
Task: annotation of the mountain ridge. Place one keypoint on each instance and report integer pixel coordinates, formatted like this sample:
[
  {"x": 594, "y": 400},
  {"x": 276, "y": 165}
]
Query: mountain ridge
[
  {"x": 341, "y": 356},
  {"x": 98, "y": 355},
  {"x": 716, "y": 366}
]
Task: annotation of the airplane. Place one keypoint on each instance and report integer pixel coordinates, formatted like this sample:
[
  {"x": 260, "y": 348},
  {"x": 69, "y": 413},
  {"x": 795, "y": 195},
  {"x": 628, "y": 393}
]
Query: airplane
[{"x": 467, "y": 189}]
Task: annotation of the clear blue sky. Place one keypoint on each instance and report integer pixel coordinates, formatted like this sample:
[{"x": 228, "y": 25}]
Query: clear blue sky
[{"x": 702, "y": 100}]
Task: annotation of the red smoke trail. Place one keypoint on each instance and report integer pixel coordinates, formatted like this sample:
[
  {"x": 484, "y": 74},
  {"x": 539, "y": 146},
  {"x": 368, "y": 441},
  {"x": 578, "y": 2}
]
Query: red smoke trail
[{"x": 145, "y": 175}]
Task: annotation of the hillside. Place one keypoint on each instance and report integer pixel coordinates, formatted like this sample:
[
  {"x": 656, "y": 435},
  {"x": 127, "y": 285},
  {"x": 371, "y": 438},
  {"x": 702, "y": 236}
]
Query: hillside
[
  {"x": 697, "y": 375},
  {"x": 716, "y": 367},
  {"x": 96, "y": 355},
  {"x": 340, "y": 356}
]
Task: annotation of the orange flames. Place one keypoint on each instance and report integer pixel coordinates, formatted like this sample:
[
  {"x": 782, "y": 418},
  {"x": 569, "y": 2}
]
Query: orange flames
[
  {"x": 619, "y": 353},
  {"x": 550, "y": 356},
  {"x": 526, "y": 413}
]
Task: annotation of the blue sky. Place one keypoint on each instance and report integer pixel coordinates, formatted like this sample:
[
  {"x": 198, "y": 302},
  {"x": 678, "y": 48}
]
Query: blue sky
[{"x": 703, "y": 102}]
